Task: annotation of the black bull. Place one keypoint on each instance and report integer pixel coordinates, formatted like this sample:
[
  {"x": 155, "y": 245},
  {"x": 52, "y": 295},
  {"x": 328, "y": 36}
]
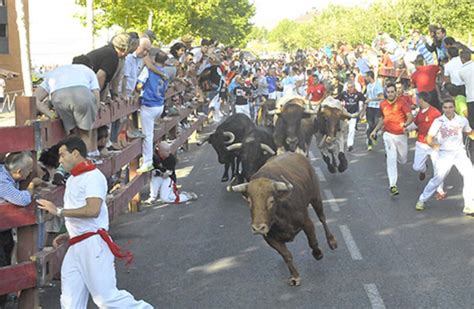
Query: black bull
[
  {"x": 232, "y": 130},
  {"x": 278, "y": 196}
]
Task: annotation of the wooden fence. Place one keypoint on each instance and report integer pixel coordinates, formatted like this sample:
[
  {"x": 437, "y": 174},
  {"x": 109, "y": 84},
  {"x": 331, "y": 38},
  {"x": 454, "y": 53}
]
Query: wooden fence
[{"x": 35, "y": 269}]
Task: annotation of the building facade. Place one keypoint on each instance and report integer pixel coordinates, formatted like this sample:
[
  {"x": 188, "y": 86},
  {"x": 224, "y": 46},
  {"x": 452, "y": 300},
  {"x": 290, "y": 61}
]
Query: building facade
[{"x": 9, "y": 41}]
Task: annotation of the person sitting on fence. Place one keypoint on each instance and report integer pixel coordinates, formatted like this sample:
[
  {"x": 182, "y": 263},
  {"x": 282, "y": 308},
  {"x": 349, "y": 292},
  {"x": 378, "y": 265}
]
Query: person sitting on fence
[
  {"x": 16, "y": 167},
  {"x": 88, "y": 266},
  {"x": 153, "y": 88},
  {"x": 74, "y": 92},
  {"x": 163, "y": 179}
]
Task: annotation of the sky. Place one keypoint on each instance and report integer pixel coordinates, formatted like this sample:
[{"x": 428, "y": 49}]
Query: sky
[
  {"x": 57, "y": 40},
  {"x": 270, "y": 12}
]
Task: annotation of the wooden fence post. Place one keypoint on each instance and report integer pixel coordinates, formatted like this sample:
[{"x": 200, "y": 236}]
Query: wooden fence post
[{"x": 25, "y": 109}]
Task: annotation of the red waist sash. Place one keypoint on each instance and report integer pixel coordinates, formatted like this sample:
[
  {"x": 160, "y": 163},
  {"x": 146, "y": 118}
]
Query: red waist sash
[{"x": 116, "y": 250}]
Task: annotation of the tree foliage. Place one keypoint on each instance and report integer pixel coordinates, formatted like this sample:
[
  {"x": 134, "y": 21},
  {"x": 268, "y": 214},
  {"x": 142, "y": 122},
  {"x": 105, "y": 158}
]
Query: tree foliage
[
  {"x": 225, "y": 20},
  {"x": 360, "y": 24}
]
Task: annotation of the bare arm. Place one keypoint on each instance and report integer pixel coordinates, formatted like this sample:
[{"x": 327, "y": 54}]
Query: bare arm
[
  {"x": 90, "y": 210},
  {"x": 101, "y": 77},
  {"x": 96, "y": 94},
  {"x": 149, "y": 64},
  {"x": 41, "y": 106},
  {"x": 377, "y": 127}
]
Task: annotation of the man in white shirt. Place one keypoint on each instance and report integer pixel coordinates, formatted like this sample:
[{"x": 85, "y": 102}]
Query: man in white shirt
[
  {"x": 74, "y": 91},
  {"x": 448, "y": 131},
  {"x": 88, "y": 267},
  {"x": 451, "y": 71},
  {"x": 466, "y": 74}
]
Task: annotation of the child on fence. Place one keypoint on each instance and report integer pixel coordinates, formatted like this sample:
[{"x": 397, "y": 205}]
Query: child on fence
[
  {"x": 153, "y": 88},
  {"x": 163, "y": 179}
]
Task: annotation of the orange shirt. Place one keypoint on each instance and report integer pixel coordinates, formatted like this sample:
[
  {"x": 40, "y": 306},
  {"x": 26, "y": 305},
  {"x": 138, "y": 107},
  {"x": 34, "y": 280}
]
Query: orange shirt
[
  {"x": 394, "y": 115},
  {"x": 423, "y": 121}
]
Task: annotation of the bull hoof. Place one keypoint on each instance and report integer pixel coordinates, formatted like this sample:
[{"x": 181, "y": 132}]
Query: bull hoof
[
  {"x": 342, "y": 162},
  {"x": 318, "y": 254},
  {"x": 332, "y": 243},
  {"x": 331, "y": 169},
  {"x": 294, "y": 281},
  {"x": 225, "y": 178}
]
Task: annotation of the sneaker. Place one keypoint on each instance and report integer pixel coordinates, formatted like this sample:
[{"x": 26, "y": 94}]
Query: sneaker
[
  {"x": 350, "y": 148},
  {"x": 440, "y": 196},
  {"x": 191, "y": 196},
  {"x": 150, "y": 201},
  {"x": 420, "y": 205},
  {"x": 374, "y": 140},
  {"x": 363, "y": 120},
  {"x": 422, "y": 176},
  {"x": 394, "y": 191},
  {"x": 369, "y": 148},
  {"x": 145, "y": 169},
  {"x": 135, "y": 134}
]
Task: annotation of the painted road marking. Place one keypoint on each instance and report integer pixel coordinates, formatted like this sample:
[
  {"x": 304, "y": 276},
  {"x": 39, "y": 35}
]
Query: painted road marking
[
  {"x": 350, "y": 243},
  {"x": 311, "y": 156},
  {"x": 331, "y": 200},
  {"x": 374, "y": 297}
]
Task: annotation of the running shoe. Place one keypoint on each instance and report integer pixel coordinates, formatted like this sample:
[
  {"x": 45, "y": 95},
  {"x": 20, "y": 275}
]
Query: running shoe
[
  {"x": 394, "y": 191},
  {"x": 369, "y": 148},
  {"x": 350, "y": 148},
  {"x": 145, "y": 169},
  {"x": 420, "y": 205},
  {"x": 422, "y": 176}
]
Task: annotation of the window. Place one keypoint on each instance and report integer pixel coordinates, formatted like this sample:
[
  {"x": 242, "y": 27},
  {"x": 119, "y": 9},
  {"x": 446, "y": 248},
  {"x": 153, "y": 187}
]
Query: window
[{"x": 3, "y": 30}]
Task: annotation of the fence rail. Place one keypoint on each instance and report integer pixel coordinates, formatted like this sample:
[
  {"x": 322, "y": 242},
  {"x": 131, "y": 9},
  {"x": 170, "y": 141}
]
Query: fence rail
[{"x": 36, "y": 269}]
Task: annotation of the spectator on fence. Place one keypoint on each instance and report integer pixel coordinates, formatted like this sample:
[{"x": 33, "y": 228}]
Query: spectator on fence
[
  {"x": 163, "y": 179},
  {"x": 105, "y": 60},
  {"x": 153, "y": 88},
  {"x": 16, "y": 167},
  {"x": 74, "y": 92},
  {"x": 88, "y": 267}
]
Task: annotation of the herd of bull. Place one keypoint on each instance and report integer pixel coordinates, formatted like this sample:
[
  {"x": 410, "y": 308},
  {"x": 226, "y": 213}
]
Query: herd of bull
[{"x": 276, "y": 177}]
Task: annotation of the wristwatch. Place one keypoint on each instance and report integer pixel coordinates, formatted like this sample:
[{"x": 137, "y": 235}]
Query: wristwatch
[{"x": 59, "y": 212}]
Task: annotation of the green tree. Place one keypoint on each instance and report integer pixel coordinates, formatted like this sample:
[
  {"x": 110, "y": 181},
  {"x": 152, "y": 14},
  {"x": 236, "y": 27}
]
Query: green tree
[{"x": 225, "y": 20}]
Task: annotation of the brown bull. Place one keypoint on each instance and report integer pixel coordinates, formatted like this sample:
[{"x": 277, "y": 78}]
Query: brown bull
[{"x": 278, "y": 196}]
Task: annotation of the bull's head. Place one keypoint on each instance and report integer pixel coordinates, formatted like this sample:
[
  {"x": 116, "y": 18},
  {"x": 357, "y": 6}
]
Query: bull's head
[
  {"x": 253, "y": 155},
  {"x": 262, "y": 195},
  {"x": 219, "y": 141},
  {"x": 290, "y": 119},
  {"x": 328, "y": 122}
]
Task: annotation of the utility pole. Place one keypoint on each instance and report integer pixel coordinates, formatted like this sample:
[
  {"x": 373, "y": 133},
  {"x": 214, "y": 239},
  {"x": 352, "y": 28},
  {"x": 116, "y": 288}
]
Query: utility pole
[
  {"x": 24, "y": 48},
  {"x": 90, "y": 21}
]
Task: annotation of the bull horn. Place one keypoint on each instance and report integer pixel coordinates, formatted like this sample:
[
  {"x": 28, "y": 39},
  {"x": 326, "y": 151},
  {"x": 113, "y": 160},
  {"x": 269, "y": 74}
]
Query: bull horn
[
  {"x": 203, "y": 141},
  {"x": 283, "y": 186},
  {"x": 311, "y": 111},
  {"x": 230, "y": 135},
  {"x": 238, "y": 188},
  {"x": 273, "y": 112},
  {"x": 235, "y": 146},
  {"x": 268, "y": 149}
]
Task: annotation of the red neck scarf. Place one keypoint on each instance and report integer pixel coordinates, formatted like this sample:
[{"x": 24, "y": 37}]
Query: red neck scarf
[{"x": 84, "y": 166}]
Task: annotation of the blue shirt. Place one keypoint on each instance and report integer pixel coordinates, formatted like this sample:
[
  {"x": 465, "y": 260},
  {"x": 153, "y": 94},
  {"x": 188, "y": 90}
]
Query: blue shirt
[
  {"x": 154, "y": 87},
  {"x": 131, "y": 71},
  {"x": 363, "y": 66},
  {"x": 272, "y": 83},
  {"x": 9, "y": 191},
  {"x": 70, "y": 75},
  {"x": 373, "y": 91},
  {"x": 420, "y": 47}
]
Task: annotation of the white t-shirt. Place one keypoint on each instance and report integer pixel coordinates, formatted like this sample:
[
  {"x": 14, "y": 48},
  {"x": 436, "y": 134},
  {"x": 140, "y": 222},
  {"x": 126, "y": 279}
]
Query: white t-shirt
[
  {"x": 2, "y": 87},
  {"x": 466, "y": 73},
  {"x": 449, "y": 132},
  {"x": 70, "y": 75},
  {"x": 452, "y": 68},
  {"x": 78, "y": 188}
]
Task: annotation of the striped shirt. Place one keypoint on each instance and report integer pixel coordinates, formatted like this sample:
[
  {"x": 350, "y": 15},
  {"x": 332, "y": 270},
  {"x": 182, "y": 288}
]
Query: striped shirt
[
  {"x": 420, "y": 47},
  {"x": 9, "y": 191}
]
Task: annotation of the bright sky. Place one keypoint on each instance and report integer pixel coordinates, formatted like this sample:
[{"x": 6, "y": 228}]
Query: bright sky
[{"x": 270, "y": 12}]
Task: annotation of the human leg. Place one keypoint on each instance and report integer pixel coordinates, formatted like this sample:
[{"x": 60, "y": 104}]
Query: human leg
[
  {"x": 391, "y": 152},
  {"x": 464, "y": 166},
  {"x": 155, "y": 186},
  {"x": 443, "y": 166},
  {"x": 74, "y": 293},
  {"x": 148, "y": 116},
  {"x": 351, "y": 133}
]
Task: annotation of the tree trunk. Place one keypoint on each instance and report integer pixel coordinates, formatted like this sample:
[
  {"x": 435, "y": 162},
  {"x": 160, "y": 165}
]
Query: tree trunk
[{"x": 24, "y": 48}]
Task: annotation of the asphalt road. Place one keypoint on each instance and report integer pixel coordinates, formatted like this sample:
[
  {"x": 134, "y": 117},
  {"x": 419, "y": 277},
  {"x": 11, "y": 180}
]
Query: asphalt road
[{"x": 203, "y": 254}]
